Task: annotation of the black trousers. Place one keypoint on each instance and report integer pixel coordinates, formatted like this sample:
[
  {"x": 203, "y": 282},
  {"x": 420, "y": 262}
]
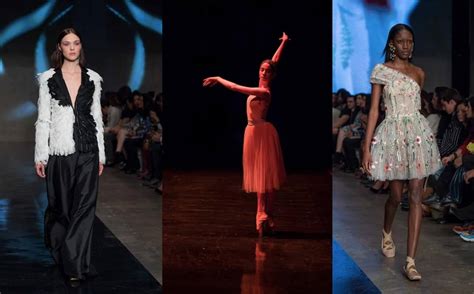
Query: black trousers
[{"x": 72, "y": 186}]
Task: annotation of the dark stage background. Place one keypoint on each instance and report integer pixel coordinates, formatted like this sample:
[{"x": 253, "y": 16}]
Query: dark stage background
[
  {"x": 116, "y": 35},
  {"x": 205, "y": 126}
]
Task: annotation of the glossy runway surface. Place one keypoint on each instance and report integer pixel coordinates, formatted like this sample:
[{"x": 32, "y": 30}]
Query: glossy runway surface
[
  {"x": 212, "y": 245},
  {"x": 444, "y": 261},
  {"x": 26, "y": 266}
]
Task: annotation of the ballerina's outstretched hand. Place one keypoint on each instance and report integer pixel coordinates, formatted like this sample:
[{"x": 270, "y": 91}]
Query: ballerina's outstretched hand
[{"x": 210, "y": 81}]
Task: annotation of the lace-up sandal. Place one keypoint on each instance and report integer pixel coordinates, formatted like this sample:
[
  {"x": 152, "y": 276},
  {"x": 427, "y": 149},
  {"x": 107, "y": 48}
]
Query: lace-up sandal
[
  {"x": 388, "y": 247},
  {"x": 410, "y": 270}
]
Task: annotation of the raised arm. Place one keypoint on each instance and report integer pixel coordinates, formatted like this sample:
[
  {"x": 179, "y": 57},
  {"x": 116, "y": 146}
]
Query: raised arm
[
  {"x": 260, "y": 92},
  {"x": 276, "y": 57},
  {"x": 372, "y": 120}
]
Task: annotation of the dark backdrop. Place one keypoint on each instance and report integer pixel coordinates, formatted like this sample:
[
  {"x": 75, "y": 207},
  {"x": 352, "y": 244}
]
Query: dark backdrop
[{"x": 204, "y": 126}]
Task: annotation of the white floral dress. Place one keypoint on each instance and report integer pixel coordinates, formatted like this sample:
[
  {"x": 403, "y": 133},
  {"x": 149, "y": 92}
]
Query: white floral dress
[{"x": 403, "y": 146}]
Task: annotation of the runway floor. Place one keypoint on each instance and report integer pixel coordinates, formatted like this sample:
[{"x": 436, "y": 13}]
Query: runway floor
[
  {"x": 212, "y": 245},
  {"x": 26, "y": 266},
  {"x": 443, "y": 259}
]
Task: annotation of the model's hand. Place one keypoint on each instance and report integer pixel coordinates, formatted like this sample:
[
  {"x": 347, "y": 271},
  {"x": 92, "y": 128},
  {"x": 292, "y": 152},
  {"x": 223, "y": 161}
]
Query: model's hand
[
  {"x": 210, "y": 81},
  {"x": 101, "y": 168},
  {"x": 468, "y": 175},
  {"x": 284, "y": 37},
  {"x": 40, "y": 170},
  {"x": 366, "y": 163}
]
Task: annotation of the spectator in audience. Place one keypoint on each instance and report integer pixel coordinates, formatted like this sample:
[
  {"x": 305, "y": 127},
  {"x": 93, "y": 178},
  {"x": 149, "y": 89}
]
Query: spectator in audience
[
  {"x": 347, "y": 117},
  {"x": 454, "y": 135},
  {"x": 138, "y": 126},
  {"x": 352, "y": 135},
  {"x": 445, "y": 118},
  {"x": 342, "y": 95},
  {"x": 455, "y": 131},
  {"x": 429, "y": 111},
  {"x": 335, "y": 111},
  {"x": 113, "y": 114}
]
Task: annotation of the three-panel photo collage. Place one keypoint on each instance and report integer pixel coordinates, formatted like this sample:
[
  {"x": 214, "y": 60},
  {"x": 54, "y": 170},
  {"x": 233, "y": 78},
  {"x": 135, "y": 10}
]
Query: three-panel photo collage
[{"x": 236, "y": 146}]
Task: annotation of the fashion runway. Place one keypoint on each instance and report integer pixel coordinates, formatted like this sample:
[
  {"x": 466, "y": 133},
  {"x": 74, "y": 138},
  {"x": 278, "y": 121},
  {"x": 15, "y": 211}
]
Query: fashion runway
[
  {"x": 443, "y": 259},
  {"x": 26, "y": 265},
  {"x": 212, "y": 245}
]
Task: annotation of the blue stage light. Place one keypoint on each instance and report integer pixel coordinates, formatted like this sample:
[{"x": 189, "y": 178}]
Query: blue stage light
[
  {"x": 138, "y": 67},
  {"x": 23, "y": 110},
  {"x": 41, "y": 60},
  {"x": 26, "y": 23},
  {"x": 359, "y": 33},
  {"x": 144, "y": 18}
]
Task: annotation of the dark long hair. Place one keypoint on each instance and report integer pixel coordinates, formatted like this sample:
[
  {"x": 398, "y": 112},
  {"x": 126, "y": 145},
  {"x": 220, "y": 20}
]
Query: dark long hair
[
  {"x": 391, "y": 35},
  {"x": 57, "y": 58}
]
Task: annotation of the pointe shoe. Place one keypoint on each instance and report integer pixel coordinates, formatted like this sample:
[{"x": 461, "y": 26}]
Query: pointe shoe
[
  {"x": 410, "y": 270},
  {"x": 388, "y": 247}
]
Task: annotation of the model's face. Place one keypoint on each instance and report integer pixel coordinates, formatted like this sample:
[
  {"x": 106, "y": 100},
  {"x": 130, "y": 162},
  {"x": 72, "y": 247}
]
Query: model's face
[
  {"x": 403, "y": 43},
  {"x": 265, "y": 72},
  {"x": 461, "y": 112},
  {"x": 71, "y": 47}
]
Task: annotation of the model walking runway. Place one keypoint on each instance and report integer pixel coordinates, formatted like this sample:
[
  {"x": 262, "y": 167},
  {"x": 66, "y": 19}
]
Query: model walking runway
[
  {"x": 357, "y": 214},
  {"x": 27, "y": 266}
]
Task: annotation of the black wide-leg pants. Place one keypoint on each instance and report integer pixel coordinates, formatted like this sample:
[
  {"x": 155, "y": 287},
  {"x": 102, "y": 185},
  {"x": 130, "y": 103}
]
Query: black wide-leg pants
[{"x": 72, "y": 186}]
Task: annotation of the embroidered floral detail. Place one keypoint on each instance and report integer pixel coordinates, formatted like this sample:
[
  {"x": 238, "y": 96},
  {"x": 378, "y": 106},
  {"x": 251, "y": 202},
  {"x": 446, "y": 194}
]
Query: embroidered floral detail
[{"x": 418, "y": 140}]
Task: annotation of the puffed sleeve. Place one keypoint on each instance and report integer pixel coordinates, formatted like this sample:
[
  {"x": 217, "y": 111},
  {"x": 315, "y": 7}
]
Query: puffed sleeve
[{"x": 378, "y": 76}]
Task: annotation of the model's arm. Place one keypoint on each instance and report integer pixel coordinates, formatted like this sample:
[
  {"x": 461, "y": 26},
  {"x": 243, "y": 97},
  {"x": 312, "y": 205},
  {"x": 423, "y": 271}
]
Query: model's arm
[
  {"x": 260, "y": 92},
  {"x": 372, "y": 120},
  {"x": 276, "y": 56}
]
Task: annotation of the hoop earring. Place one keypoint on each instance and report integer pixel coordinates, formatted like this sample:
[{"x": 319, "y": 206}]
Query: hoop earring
[{"x": 392, "y": 52}]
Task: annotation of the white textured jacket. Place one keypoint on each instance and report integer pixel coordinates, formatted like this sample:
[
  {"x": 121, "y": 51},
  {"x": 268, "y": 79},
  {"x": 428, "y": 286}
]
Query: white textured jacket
[{"x": 57, "y": 116}]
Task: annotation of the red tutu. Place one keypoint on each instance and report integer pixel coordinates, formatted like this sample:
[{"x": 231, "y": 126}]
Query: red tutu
[{"x": 264, "y": 170}]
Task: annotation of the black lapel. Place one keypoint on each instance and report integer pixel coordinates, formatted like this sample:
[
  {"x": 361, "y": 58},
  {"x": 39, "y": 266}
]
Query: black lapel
[{"x": 62, "y": 94}]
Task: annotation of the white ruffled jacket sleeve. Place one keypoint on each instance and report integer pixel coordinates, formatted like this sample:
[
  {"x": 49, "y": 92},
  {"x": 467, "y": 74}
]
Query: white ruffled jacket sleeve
[
  {"x": 43, "y": 122},
  {"x": 96, "y": 112}
]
